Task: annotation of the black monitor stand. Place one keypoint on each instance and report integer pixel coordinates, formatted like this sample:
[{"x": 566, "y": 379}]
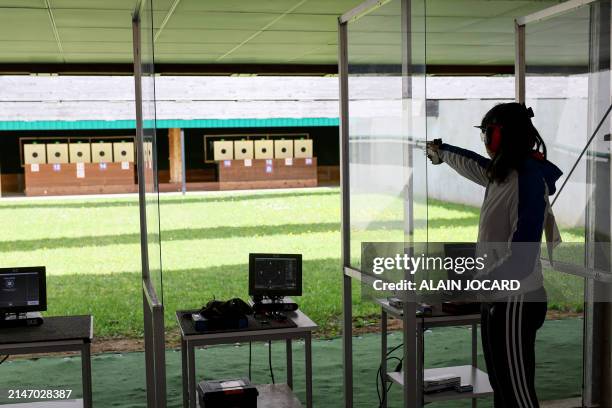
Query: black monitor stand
[
  {"x": 273, "y": 306},
  {"x": 20, "y": 319}
]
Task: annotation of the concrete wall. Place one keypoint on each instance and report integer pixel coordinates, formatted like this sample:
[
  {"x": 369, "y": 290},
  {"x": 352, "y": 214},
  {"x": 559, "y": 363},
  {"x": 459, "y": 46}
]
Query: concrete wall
[
  {"x": 561, "y": 116},
  {"x": 28, "y": 98},
  {"x": 557, "y": 121}
]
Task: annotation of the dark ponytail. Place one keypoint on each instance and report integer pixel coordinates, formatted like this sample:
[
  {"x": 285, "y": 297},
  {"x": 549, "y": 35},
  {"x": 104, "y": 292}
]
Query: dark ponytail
[{"x": 519, "y": 139}]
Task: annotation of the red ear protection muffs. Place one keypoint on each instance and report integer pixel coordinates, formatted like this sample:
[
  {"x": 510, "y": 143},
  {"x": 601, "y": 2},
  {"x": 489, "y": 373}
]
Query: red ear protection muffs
[
  {"x": 494, "y": 136},
  {"x": 493, "y": 133}
]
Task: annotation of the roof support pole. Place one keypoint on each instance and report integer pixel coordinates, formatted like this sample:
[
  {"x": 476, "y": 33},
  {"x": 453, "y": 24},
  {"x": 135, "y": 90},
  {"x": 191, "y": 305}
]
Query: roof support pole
[
  {"x": 347, "y": 295},
  {"x": 597, "y": 363},
  {"x": 175, "y": 155},
  {"x": 413, "y": 369},
  {"x": 519, "y": 61},
  {"x": 183, "y": 169}
]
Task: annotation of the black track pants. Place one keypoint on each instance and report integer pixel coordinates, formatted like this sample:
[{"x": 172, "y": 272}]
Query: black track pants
[{"x": 508, "y": 340}]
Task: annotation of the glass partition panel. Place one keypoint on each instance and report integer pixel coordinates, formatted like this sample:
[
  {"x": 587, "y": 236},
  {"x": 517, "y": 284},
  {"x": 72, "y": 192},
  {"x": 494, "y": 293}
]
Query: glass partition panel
[
  {"x": 387, "y": 130},
  {"x": 569, "y": 89},
  {"x": 564, "y": 87},
  {"x": 557, "y": 84},
  {"x": 148, "y": 173},
  {"x": 557, "y": 88},
  {"x": 568, "y": 57},
  {"x": 153, "y": 309},
  {"x": 387, "y": 183}
]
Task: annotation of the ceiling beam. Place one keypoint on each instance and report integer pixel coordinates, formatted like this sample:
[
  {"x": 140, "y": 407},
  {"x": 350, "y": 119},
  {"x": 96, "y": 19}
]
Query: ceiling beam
[
  {"x": 265, "y": 69},
  {"x": 167, "y": 69}
]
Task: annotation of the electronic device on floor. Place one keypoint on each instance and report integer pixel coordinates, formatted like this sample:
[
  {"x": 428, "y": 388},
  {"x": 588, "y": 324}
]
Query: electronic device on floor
[
  {"x": 23, "y": 295},
  {"x": 232, "y": 393},
  {"x": 464, "y": 388},
  {"x": 271, "y": 278}
]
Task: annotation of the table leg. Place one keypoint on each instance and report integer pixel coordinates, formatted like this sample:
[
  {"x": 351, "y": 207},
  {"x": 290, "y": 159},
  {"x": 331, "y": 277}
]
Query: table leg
[
  {"x": 289, "y": 364},
  {"x": 184, "y": 374},
  {"x": 420, "y": 361},
  {"x": 383, "y": 357},
  {"x": 191, "y": 371},
  {"x": 474, "y": 345},
  {"x": 308, "y": 356},
  {"x": 86, "y": 374},
  {"x": 474, "y": 356}
]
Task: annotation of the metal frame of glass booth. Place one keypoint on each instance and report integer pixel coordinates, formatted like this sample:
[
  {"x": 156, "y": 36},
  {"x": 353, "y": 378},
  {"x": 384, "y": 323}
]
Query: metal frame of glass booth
[
  {"x": 148, "y": 197},
  {"x": 411, "y": 69},
  {"x": 383, "y": 129}
]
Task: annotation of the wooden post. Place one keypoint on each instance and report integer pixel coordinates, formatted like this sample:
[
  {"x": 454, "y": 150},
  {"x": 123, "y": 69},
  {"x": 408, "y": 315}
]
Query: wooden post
[{"x": 176, "y": 160}]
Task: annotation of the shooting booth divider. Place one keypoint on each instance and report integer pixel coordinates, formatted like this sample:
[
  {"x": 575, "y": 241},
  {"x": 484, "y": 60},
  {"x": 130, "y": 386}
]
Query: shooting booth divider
[
  {"x": 567, "y": 47},
  {"x": 148, "y": 191},
  {"x": 384, "y": 197}
]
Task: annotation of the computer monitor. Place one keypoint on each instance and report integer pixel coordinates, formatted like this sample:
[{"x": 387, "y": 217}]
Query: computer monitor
[
  {"x": 23, "y": 290},
  {"x": 275, "y": 275}
]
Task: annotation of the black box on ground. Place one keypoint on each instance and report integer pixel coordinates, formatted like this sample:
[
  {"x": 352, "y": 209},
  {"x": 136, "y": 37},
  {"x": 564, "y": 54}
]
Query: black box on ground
[{"x": 233, "y": 393}]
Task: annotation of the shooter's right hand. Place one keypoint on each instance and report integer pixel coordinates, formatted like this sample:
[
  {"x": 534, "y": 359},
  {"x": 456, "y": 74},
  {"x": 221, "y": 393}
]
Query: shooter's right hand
[{"x": 433, "y": 151}]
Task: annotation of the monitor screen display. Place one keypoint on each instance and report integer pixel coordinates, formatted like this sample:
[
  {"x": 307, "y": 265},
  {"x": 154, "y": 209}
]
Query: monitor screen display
[
  {"x": 275, "y": 274},
  {"x": 22, "y": 290}
]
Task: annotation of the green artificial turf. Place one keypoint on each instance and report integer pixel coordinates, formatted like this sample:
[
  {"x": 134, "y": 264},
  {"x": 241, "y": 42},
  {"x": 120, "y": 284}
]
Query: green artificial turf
[
  {"x": 91, "y": 248},
  {"x": 118, "y": 379}
]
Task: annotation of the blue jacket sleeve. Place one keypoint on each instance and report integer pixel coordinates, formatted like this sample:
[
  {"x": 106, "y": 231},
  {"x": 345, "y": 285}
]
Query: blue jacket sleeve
[{"x": 469, "y": 164}]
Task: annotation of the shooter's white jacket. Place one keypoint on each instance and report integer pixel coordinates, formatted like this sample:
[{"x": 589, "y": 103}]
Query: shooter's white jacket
[{"x": 513, "y": 213}]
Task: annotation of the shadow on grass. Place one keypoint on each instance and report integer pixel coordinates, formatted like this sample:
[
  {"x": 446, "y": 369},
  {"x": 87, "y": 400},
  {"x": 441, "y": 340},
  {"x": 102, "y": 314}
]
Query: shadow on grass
[
  {"x": 453, "y": 206},
  {"x": 167, "y": 200},
  {"x": 187, "y": 234},
  {"x": 184, "y": 234}
]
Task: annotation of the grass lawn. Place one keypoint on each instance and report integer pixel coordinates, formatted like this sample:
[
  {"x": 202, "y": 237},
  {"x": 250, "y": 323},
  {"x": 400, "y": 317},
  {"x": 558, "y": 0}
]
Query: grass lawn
[{"x": 91, "y": 248}]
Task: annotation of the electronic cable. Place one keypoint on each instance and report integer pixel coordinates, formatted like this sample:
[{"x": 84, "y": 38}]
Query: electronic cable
[
  {"x": 270, "y": 360},
  {"x": 380, "y": 376},
  {"x": 4, "y": 359}
]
